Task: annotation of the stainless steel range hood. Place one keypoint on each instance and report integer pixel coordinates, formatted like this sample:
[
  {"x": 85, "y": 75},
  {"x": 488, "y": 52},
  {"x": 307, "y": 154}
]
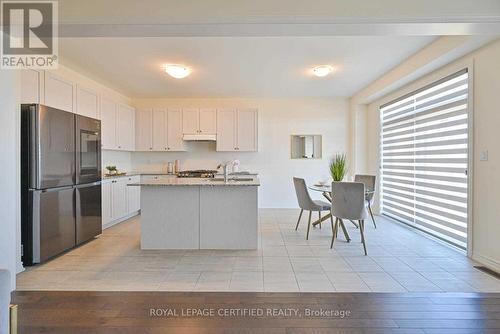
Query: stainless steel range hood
[{"x": 200, "y": 137}]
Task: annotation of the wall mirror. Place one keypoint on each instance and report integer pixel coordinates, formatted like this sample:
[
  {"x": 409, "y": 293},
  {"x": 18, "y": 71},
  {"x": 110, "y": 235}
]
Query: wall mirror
[{"x": 306, "y": 147}]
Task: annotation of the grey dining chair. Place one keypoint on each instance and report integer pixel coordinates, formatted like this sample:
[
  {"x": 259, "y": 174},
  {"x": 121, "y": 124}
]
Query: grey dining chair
[
  {"x": 348, "y": 202},
  {"x": 307, "y": 203},
  {"x": 369, "y": 181}
]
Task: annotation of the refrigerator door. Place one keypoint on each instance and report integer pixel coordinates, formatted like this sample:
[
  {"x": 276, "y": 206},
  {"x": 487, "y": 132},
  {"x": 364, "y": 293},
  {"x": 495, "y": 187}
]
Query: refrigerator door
[
  {"x": 53, "y": 222},
  {"x": 52, "y": 147},
  {"x": 88, "y": 150},
  {"x": 88, "y": 211}
]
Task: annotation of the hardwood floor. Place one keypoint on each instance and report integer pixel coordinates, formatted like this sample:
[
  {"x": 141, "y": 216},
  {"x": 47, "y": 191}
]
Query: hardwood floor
[{"x": 130, "y": 312}]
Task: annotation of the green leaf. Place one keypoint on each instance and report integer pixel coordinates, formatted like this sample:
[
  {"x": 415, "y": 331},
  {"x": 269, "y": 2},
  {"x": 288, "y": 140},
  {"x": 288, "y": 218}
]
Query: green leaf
[{"x": 338, "y": 167}]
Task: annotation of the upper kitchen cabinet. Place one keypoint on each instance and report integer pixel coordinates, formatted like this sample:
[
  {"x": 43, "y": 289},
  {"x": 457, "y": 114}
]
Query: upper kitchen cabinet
[
  {"x": 159, "y": 130},
  {"x": 87, "y": 102},
  {"x": 208, "y": 121},
  {"x": 247, "y": 130},
  {"x": 237, "y": 130},
  {"x": 143, "y": 134},
  {"x": 117, "y": 126},
  {"x": 32, "y": 86},
  {"x": 174, "y": 130},
  {"x": 108, "y": 124},
  {"x": 199, "y": 121},
  {"x": 125, "y": 127},
  {"x": 59, "y": 92}
]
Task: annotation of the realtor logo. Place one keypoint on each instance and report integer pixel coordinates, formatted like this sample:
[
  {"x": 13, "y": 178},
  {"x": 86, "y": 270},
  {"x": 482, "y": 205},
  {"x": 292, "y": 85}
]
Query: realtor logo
[{"x": 29, "y": 35}]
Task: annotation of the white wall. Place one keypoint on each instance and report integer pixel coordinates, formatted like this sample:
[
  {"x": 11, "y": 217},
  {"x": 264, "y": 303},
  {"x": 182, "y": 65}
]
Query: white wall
[
  {"x": 9, "y": 177},
  {"x": 486, "y": 174},
  {"x": 278, "y": 120},
  {"x": 122, "y": 160}
]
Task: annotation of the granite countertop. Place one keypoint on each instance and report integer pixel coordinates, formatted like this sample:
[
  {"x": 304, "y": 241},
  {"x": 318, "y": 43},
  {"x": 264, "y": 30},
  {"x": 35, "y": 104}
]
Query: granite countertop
[
  {"x": 181, "y": 181},
  {"x": 104, "y": 177},
  {"x": 135, "y": 173}
]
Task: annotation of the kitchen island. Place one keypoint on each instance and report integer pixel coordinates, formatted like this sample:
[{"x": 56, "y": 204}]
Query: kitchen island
[{"x": 197, "y": 213}]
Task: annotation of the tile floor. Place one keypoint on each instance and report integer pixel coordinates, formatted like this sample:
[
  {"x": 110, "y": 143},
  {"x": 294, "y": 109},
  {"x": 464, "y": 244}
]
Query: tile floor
[{"x": 399, "y": 260}]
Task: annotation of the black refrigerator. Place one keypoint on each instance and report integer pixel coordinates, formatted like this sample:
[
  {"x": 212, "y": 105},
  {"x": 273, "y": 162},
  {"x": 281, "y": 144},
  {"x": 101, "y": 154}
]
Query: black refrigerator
[{"x": 60, "y": 181}]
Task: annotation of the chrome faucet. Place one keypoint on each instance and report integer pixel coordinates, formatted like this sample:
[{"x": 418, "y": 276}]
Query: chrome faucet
[{"x": 225, "y": 169}]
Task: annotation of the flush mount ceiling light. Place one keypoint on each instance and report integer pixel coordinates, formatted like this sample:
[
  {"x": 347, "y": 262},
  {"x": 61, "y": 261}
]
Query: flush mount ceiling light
[
  {"x": 177, "y": 71},
  {"x": 322, "y": 71}
]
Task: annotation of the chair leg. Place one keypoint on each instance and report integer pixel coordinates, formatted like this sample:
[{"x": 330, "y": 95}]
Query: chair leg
[
  {"x": 334, "y": 230},
  {"x": 298, "y": 221},
  {"x": 371, "y": 214},
  {"x": 319, "y": 215},
  {"x": 345, "y": 230},
  {"x": 362, "y": 230},
  {"x": 308, "y": 225}
]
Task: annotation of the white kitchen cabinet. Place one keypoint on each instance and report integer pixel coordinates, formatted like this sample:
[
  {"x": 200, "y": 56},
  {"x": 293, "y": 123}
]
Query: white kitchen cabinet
[
  {"x": 237, "y": 130},
  {"x": 199, "y": 121},
  {"x": 119, "y": 201},
  {"x": 226, "y": 126},
  {"x": 159, "y": 130},
  {"x": 143, "y": 135},
  {"x": 107, "y": 211},
  {"x": 125, "y": 127},
  {"x": 108, "y": 124},
  {"x": 190, "y": 121},
  {"x": 174, "y": 130},
  {"x": 119, "y": 198},
  {"x": 133, "y": 195},
  {"x": 208, "y": 121},
  {"x": 246, "y": 130},
  {"x": 59, "y": 92},
  {"x": 32, "y": 86},
  {"x": 87, "y": 102}
]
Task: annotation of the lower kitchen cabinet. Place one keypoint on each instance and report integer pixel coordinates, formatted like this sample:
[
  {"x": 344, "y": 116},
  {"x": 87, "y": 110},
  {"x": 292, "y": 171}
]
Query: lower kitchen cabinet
[{"x": 119, "y": 201}]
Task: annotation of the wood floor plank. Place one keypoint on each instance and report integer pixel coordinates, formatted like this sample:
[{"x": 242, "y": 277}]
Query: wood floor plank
[{"x": 130, "y": 312}]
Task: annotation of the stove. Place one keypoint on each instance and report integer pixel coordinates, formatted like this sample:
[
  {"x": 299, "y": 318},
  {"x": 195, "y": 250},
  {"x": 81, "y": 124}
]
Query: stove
[{"x": 197, "y": 173}]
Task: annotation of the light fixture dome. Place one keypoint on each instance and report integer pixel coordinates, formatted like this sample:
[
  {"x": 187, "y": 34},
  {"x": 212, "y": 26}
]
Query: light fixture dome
[
  {"x": 177, "y": 71},
  {"x": 322, "y": 71}
]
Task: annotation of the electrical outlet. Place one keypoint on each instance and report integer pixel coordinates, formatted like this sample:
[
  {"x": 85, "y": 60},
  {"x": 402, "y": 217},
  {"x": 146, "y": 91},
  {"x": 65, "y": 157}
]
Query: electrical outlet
[{"x": 483, "y": 156}]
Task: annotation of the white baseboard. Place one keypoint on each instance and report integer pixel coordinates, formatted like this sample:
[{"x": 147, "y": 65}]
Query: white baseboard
[
  {"x": 487, "y": 262},
  {"x": 119, "y": 220}
]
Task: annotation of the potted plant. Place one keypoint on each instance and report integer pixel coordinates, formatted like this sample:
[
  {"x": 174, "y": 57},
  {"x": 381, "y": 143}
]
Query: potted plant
[
  {"x": 112, "y": 170},
  {"x": 338, "y": 167}
]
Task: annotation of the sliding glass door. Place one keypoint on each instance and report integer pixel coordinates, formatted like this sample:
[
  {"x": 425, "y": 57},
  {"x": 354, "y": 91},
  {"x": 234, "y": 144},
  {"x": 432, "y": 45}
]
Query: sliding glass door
[{"x": 424, "y": 158}]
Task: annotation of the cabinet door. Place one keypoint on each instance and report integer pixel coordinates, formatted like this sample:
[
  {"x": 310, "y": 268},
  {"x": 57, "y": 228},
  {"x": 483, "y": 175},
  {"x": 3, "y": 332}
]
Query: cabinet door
[
  {"x": 87, "y": 102},
  {"x": 131, "y": 196},
  {"x": 59, "y": 92},
  {"x": 107, "y": 213},
  {"x": 126, "y": 128},
  {"x": 159, "y": 136},
  {"x": 108, "y": 124},
  {"x": 143, "y": 135},
  {"x": 119, "y": 198},
  {"x": 226, "y": 130},
  {"x": 31, "y": 86},
  {"x": 190, "y": 121},
  {"x": 208, "y": 121},
  {"x": 174, "y": 130},
  {"x": 247, "y": 130}
]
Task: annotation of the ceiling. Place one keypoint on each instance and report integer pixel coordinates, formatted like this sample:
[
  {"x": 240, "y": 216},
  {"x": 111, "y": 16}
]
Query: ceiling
[{"x": 238, "y": 66}]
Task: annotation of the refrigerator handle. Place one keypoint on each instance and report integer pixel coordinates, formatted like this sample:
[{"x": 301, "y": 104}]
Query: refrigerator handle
[{"x": 48, "y": 190}]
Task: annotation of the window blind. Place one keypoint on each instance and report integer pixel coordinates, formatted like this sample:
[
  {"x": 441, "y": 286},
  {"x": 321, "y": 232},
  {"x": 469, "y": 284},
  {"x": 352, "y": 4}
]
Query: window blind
[{"x": 424, "y": 158}]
